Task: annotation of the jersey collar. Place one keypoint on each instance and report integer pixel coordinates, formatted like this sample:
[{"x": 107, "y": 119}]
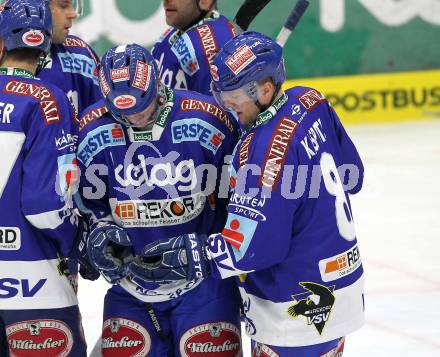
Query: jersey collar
[
  {"x": 11, "y": 71},
  {"x": 270, "y": 112},
  {"x": 159, "y": 125}
]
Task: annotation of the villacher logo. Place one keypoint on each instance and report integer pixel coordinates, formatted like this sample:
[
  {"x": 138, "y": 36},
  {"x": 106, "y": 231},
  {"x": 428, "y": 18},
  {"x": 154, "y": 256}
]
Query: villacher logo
[{"x": 211, "y": 339}]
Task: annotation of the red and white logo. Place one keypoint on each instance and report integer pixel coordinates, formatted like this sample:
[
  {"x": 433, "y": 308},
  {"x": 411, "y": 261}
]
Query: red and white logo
[
  {"x": 124, "y": 337},
  {"x": 33, "y": 38},
  {"x": 39, "y": 338},
  {"x": 120, "y": 74},
  {"x": 124, "y": 101},
  {"x": 48, "y": 102},
  {"x": 142, "y": 76},
  {"x": 211, "y": 339},
  {"x": 240, "y": 59},
  {"x": 105, "y": 88}
]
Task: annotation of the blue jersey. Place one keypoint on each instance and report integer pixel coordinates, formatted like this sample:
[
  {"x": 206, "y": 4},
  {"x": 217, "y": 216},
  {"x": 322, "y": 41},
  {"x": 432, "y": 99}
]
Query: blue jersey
[
  {"x": 289, "y": 232},
  {"x": 184, "y": 58},
  {"x": 72, "y": 68},
  {"x": 153, "y": 183},
  {"x": 36, "y": 168}
]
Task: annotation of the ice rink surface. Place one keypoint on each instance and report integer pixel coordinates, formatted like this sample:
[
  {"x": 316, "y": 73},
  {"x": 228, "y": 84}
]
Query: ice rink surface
[{"x": 397, "y": 217}]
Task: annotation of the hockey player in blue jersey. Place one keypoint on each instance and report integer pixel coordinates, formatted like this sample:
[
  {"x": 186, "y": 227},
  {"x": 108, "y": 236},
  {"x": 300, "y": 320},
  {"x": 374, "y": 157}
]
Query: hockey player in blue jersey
[
  {"x": 184, "y": 53},
  {"x": 71, "y": 63},
  {"x": 289, "y": 234},
  {"x": 38, "y": 307},
  {"x": 71, "y": 66},
  {"x": 140, "y": 150}
]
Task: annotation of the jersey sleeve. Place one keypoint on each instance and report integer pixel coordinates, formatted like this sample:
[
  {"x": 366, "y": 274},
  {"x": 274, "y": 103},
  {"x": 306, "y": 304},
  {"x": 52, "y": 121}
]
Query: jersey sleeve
[
  {"x": 49, "y": 172},
  {"x": 349, "y": 156},
  {"x": 258, "y": 231},
  {"x": 93, "y": 171},
  {"x": 208, "y": 39},
  {"x": 221, "y": 160}
]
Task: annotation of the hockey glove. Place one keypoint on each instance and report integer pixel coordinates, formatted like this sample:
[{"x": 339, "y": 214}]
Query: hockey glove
[
  {"x": 110, "y": 250},
  {"x": 168, "y": 260},
  {"x": 79, "y": 252}
]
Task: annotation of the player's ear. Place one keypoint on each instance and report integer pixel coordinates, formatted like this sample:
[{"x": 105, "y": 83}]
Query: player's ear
[
  {"x": 206, "y": 4},
  {"x": 265, "y": 91}
]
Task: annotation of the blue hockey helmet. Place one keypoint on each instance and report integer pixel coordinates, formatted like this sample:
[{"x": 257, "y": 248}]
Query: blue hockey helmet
[
  {"x": 128, "y": 80},
  {"x": 245, "y": 60},
  {"x": 26, "y": 24}
]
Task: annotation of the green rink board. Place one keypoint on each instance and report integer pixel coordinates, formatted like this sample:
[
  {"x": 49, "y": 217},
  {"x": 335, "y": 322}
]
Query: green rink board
[{"x": 335, "y": 37}]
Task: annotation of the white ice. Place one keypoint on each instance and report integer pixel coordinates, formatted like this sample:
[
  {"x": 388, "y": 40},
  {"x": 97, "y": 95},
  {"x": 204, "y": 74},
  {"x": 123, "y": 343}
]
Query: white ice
[{"x": 397, "y": 216}]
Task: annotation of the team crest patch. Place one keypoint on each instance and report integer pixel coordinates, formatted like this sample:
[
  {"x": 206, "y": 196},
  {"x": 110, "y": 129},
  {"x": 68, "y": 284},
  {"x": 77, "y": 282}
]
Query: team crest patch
[
  {"x": 211, "y": 339},
  {"x": 315, "y": 304},
  {"x": 121, "y": 335},
  {"x": 39, "y": 338}
]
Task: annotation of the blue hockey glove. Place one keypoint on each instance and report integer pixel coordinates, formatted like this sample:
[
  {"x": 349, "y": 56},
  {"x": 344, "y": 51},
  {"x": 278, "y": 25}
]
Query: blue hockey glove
[
  {"x": 79, "y": 252},
  {"x": 110, "y": 250},
  {"x": 169, "y": 260}
]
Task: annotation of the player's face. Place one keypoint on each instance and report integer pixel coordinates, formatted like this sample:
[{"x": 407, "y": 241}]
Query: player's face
[
  {"x": 145, "y": 118},
  {"x": 180, "y": 13},
  {"x": 244, "y": 106},
  {"x": 63, "y": 14}
]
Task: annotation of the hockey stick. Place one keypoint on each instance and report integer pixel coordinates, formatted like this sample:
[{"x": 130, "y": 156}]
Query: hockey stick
[
  {"x": 248, "y": 11},
  {"x": 292, "y": 21}
]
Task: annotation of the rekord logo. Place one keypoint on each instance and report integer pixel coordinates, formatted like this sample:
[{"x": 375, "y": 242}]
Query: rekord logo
[
  {"x": 124, "y": 101},
  {"x": 33, "y": 38},
  {"x": 315, "y": 304}
]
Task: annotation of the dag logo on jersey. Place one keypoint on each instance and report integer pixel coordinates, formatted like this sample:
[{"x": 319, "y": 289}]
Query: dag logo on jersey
[{"x": 315, "y": 304}]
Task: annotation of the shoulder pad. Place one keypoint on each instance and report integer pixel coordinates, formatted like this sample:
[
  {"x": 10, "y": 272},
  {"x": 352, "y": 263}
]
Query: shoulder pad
[
  {"x": 92, "y": 114},
  {"x": 183, "y": 49},
  {"x": 44, "y": 93},
  {"x": 73, "y": 42},
  {"x": 208, "y": 107},
  {"x": 308, "y": 97}
]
